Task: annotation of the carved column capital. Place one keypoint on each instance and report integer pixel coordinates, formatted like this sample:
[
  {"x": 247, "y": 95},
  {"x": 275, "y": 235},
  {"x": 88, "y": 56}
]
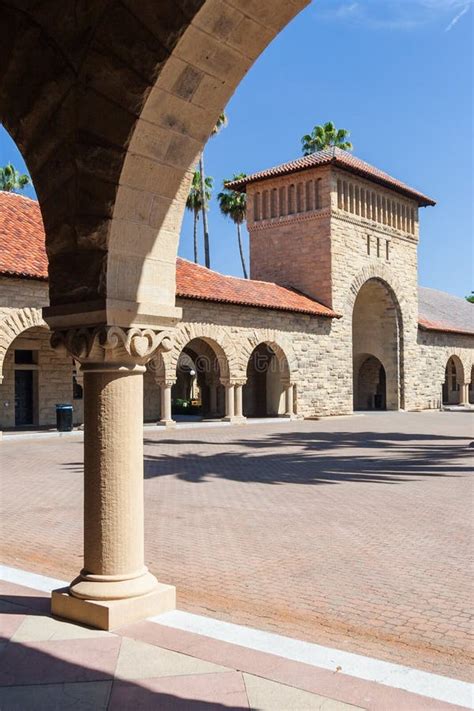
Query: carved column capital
[{"x": 111, "y": 345}]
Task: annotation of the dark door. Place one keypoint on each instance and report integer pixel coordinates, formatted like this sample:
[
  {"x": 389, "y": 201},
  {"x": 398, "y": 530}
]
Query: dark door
[{"x": 23, "y": 397}]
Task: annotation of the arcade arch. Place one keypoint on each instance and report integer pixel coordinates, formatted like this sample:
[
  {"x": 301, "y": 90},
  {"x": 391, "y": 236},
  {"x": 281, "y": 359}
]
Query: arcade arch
[{"x": 377, "y": 349}]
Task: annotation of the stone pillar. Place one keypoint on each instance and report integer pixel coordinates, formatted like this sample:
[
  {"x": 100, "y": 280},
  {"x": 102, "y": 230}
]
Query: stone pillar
[
  {"x": 289, "y": 404},
  {"x": 238, "y": 400},
  {"x": 229, "y": 401},
  {"x": 114, "y": 587},
  {"x": 233, "y": 402},
  {"x": 464, "y": 393},
  {"x": 166, "y": 419}
]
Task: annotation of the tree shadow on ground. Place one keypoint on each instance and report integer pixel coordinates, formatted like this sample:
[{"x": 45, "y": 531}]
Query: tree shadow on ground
[{"x": 314, "y": 458}]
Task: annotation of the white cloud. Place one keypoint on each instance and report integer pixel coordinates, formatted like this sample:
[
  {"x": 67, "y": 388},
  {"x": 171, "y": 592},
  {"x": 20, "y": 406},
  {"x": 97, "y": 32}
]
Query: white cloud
[
  {"x": 456, "y": 19},
  {"x": 394, "y": 14}
]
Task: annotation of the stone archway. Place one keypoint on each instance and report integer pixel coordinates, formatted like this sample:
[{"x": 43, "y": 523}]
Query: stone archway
[
  {"x": 377, "y": 332},
  {"x": 370, "y": 383},
  {"x": 268, "y": 390},
  {"x": 15, "y": 323},
  {"x": 201, "y": 373},
  {"x": 110, "y": 105},
  {"x": 453, "y": 381}
]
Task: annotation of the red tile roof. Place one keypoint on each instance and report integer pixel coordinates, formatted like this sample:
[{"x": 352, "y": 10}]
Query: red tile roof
[
  {"x": 22, "y": 251},
  {"x": 443, "y": 327},
  {"x": 196, "y": 282},
  {"x": 341, "y": 159},
  {"x": 23, "y": 254}
]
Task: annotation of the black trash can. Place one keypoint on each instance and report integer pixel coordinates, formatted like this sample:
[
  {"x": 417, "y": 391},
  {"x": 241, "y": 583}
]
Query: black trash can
[{"x": 64, "y": 418}]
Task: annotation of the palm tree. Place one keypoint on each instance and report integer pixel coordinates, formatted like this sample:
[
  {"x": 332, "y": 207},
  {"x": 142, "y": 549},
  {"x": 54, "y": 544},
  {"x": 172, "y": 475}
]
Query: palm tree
[
  {"x": 233, "y": 204},
  {"x": 194, "y": 202},
  {"x": 325, "y": 136},
  {"x": 11, "y": 179},
  {"x": 220, "y": 123}
]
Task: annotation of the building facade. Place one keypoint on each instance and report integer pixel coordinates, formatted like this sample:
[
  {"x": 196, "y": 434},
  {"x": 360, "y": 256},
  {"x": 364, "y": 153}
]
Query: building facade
[{"x": 331, "y": 320}]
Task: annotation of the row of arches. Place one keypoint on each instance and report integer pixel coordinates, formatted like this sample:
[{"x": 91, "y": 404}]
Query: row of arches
[{"x": 202, "y": 386}]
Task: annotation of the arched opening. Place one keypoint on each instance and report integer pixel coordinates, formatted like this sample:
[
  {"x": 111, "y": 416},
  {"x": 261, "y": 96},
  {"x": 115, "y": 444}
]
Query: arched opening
[
  {"x": 370, "y": 392},
  {"x": 198, "y": 392},
  {"x": 376, "y": 348},
  {"x": 453, "y": 378},
  {"x": 35, "y": 379},
  {"x": 267, "y": 379}
]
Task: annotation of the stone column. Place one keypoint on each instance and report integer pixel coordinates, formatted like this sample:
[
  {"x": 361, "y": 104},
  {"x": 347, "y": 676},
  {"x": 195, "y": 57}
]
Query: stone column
[
  {"x": 289, "y": 404},
  {"x": 238, "y": 400},
  {"x": 464, "y": 393},
  {"x": 166, "y": 419},
  {"x": 229, "y": 401},
  {"x": 114, "y": 587}
]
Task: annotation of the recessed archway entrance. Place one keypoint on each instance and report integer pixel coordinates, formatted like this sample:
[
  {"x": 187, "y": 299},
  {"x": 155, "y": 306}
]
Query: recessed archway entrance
[
  {"x": 198, "y": 392},
  {"x": 453, "y": 378},
  {"x": 370, "y": 392},
  {"x": 34, "y": 379},
  {"x": 376, "y": 348},
  {"x": 268, "y": 391}
]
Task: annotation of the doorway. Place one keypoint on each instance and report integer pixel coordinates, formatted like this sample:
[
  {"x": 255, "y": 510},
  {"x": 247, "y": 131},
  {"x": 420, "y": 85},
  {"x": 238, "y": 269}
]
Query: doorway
[{"x": 23, "y": 398}]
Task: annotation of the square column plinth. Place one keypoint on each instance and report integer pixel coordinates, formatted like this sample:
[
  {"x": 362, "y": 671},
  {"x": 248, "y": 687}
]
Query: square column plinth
[{"x": 111, "y": 614}]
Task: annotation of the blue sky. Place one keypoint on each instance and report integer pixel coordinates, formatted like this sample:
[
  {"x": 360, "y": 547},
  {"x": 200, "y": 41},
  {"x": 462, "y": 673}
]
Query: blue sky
[{"x": 398, "y": 74}]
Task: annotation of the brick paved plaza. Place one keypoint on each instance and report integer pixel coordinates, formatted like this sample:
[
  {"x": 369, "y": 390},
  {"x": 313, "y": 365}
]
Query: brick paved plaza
[{"x": 350, "y": 532}]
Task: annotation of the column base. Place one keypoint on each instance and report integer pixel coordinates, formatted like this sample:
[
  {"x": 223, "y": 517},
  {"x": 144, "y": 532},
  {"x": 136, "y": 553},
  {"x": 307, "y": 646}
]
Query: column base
[
  {"x": 235, "y": 420},
  {"x": 166, "y": 423},
  {"x": 291, "y": 416},
  {"x": 110, "y": 614}
]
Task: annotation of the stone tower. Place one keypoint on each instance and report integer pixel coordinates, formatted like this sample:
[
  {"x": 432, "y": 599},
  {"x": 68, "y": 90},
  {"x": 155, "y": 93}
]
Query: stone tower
[{"x": 346, "y": 234}]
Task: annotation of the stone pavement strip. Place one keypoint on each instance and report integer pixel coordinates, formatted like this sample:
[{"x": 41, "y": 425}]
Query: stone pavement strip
[{"x": 51, "y": 665}]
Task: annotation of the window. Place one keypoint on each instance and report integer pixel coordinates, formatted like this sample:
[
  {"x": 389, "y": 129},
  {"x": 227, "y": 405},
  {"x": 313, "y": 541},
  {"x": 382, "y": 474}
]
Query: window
[
  {"x": 339, "y": 194},
  {"x": 282, "y": 201},
  {"x": 291, "y": 199},
  {"x": 378, "y": 246},
  {"x": 299, "y": 197},
  {"x": 317, "y": 194},
  {"x": 23, "y": 357},
  {"x": 368, "y": 245},
  {"x": 351, "y": 198},
  {"x": 273, "y": 203},
  {"x": 265, "y": 205},
  {"x": 309, "y": 195},
  {"x": 387, "y": 250},
  {"x": 346, "y": 195},
  {"x": 362, "y": 202},
  {"x": 256, "y": 207}
]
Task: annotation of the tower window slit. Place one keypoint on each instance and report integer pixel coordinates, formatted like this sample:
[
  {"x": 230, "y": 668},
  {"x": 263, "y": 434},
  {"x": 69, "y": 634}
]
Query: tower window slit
[
  {"x": 309, "y": 191},
  {"x": 282, "y": 201}
]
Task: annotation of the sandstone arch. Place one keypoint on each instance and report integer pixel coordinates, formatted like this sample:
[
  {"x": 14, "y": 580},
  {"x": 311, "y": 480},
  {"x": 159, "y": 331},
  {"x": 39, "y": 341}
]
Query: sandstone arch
[
  {"x": 13, "y": 325},
  {"x": 110, "y": 105},
  {"x": 217, "y": 338},
  {"x": 281, "y": 346}
]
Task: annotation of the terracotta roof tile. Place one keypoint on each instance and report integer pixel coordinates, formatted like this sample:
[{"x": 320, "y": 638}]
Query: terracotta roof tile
[
  {"x": 341, "y": 159},
  {"x": 22, "y": 251},
  {"x": 196, "y": 282}
]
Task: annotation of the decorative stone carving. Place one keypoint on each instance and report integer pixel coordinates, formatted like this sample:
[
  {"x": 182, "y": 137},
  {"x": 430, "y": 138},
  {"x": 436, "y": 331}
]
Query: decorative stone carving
[{"x": 112, "y": 344}]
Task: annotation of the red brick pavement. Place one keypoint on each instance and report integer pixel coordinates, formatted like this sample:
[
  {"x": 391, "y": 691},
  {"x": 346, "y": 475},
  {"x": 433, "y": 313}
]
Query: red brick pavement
[{"x": 354, "y": 533}]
